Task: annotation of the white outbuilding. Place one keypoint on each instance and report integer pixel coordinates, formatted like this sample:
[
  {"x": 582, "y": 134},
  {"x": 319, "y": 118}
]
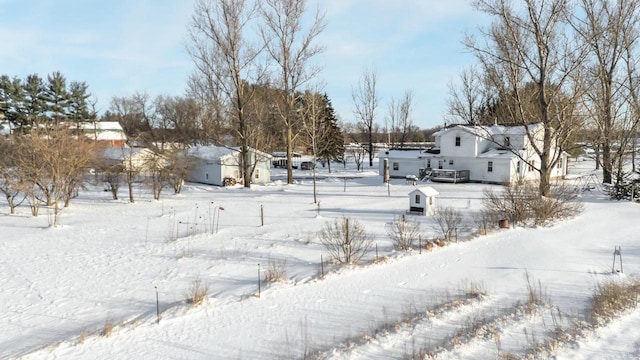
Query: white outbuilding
[{"x": 422, "y": 201}]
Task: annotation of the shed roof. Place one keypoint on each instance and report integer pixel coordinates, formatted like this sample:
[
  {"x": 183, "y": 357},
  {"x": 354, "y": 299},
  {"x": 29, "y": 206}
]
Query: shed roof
[{"x": 426, "y": 190}]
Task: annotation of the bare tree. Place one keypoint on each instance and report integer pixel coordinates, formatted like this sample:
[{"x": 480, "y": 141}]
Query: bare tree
[
  {"x": 291, "y": 47},
  {"x": 365, "y": 99},
  {"x": 227, "y": 61},
  {"x": 52, "y": 164},
  {"x": 610, "y": 30},
  {"x": 530, "y": 45},
  {"x": 314, "y": 128},
  {"x": 10, "y": 175},
  {"x": 467, "y": 98},
  {"x": 400, "y": 113},
  {"x": 346, "y": 240},
  {"x": 448, "y": 223},
  {"x": 404, "y": 232}
]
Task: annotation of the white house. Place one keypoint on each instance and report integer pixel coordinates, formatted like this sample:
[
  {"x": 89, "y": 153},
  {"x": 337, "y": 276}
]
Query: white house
[
  {"x": 140, "y": 160},
  {"x": 216, "y": 164},
  {"x": 490, "y": 154},
  {"x": 109, "y": 133},
  {"x": 422, "y": 201}
]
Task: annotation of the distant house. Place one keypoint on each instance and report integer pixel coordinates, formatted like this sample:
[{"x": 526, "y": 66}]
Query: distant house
[
  {"x": 219, "y": 165},
  {"x": 108, "y": 133},
  {"x": 488, "y": 154},
  {"x": 140, "y": 160}
]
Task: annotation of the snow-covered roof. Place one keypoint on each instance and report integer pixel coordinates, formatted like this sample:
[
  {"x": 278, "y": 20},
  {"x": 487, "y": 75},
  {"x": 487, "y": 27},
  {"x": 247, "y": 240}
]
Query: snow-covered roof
[
  {"x": 109, "y": 135},
  {"x": 426, "y": 190},
  {"x": 484, "y": 130},
  {"x": 116, "y": 153},
  {"x": 497, "y": 154},
  {"x": 101, "y": 126},
  {"x": 210, "y": 152},
  {"x": 408, "y": 154}
]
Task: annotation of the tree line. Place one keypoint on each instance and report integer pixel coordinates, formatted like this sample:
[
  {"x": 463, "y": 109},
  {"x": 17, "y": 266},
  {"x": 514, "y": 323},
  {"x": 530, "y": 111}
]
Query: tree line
[{"x": 33, "y": 101}]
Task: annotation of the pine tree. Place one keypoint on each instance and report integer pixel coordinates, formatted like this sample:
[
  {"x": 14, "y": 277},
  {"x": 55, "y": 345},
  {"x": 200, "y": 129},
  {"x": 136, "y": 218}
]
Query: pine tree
[
  {"x": 78, "y": 108},
  {"x": 332, "y": 148},
  {"x": 56, "y": 97},
  {"x": 34, "y": 106}
]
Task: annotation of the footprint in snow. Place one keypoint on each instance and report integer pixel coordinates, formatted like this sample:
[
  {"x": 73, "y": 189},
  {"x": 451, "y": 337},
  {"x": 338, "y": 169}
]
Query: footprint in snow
[
  {"x": 366, "y": 291},
  {"x": 458, "y": 260},
  {"x": 424, "y": 274},
  {"x": 402, "y": 284}
]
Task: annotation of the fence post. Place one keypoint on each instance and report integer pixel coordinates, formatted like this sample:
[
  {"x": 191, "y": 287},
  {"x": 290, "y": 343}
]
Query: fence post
[{"x": 157, "y": 305}]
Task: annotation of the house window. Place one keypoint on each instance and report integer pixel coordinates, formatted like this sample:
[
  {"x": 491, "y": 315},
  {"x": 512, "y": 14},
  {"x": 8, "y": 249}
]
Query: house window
[
  {"x": 490, "y": 166},
  {"x": 457, "y": 140},
  {"x": 430, "y": 200},
  {"x": 439, "y": 164},
  {"x": 507, "y": 141},
  {"x": 450, "y": 162},
  {"x": 396, "y": 166},
  {"x": 518, "y": 167},
  {"x": 257, "y": 173},
  {"x": 532, "y": 166},
  {"x": 417, "y": 199},
  {"x": 428, "y": 163},
  {"x": 560, "y": 164},
  {"x": 206, "y": 176}
]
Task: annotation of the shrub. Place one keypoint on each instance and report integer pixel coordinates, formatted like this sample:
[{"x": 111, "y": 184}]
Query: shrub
[
  {"x": 612, "y": 298},
  {"x": 276, "y": 272},
  {"x": 522, "y": 204},
  {"x": 404, "y": 232},
  {"x": 197, "y": 293},
  {"x": 448, "y": 222},
  {"x": 346, "y": 240}
]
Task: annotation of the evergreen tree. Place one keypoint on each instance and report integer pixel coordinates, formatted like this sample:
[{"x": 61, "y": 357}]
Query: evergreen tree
[
  {"x": 78, "y": 106},
  {"x": 332, "y": 148},
  {"x": 33, "y": 106},
  {"x": 56, "y": 97}
]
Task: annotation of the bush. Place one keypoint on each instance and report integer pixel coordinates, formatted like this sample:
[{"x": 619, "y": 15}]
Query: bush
[
  {"x": 612, "y": 298},
  {"x": 522, "y": 204},
  {"x": 448, "y": 222},
  {"x": 346, "y": 240},
  {"x": 197, "y": 293},
  {"x": 276, "y": 272},
  {"x": 403, "y": 232}
]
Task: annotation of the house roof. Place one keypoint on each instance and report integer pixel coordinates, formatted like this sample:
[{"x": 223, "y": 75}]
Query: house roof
[
  {"x": 484, "y": 130},
  {"x": 426, "y": 190},
  {"x": 210, "y": 152},
  {"x": 408, "y": 154},
  {"x": 497, "y": 154},
  {"x": 123, "y": 153}
]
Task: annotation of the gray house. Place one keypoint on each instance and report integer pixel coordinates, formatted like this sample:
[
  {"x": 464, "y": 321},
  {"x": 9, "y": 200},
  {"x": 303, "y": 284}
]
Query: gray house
[{"x": 219, "y": 165}]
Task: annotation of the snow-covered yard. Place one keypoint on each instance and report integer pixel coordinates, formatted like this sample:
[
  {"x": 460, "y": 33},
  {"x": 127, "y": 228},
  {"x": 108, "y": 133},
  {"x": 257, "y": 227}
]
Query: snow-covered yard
[{"x": 63, "y": 288}]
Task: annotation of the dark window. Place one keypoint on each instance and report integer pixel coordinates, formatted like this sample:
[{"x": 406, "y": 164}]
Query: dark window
[
  {"x": 396, "y": 166},
  {"x": 457, "y": 140},
  {"x": 507, "y": 142},
  {"x": 450, "y": 162},
  {"x": 490, "y": 166},
  {"x": 417, "y": 199}
]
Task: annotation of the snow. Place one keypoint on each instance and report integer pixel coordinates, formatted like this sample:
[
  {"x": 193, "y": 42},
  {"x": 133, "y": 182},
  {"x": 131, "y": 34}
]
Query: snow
[{"x": 61, "y": 286}]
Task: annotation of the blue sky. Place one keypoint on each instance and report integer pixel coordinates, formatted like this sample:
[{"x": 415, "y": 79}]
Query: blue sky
[{"x": 119, "y": 47}]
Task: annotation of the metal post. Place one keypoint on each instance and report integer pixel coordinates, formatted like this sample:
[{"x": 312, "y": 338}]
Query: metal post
[
  {"x": 157, "y": 305},
  {"x": 261, "y": 215}
]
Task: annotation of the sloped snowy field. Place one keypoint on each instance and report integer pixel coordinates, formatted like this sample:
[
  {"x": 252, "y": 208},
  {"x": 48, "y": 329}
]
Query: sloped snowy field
[{"x": 60, "y": 286}]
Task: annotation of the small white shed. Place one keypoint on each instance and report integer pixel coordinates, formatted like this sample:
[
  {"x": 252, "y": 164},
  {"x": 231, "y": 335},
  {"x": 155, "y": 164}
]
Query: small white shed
[{"x": 422, "y": 201}]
